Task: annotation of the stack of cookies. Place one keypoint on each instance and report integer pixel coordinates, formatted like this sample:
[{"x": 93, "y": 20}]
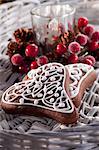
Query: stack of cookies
[{"x": 52, "y": 90}]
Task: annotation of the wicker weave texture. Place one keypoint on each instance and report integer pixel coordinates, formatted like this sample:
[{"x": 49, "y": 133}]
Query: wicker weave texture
[
  {"x": 23, "y": 132},
  {"x": 13, "y": 16}
]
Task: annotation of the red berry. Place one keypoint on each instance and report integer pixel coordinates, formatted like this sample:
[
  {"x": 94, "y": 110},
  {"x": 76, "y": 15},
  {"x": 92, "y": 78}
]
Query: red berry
[
  {"x": 82, "y": 39},
  {"x": 74, "y": 47},
  {"x": 88, "y": 61},
  {"x": 90, "y": 58},
  {"x": 23, "y": 69},
  {"x": 95, "y": 36},
  {"x": 61, "y": 49},
  {"x": 73, "y": 59},
  {"x": 93, "y": 46},
  {"x": 82, "y": 22},
  {"x": 17, "y": 59},
  {"x": 34, "y": 65},
  {"x": 31, "y": 50},
  {"x": 42, "y": 60},
  {"x": 89, "y": 29}
]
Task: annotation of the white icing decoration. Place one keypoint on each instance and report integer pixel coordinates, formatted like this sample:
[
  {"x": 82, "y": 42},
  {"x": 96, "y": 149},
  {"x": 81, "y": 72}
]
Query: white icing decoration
[
  {"x": 77, "y": 77},
  {"x": 17, "y": 88},
  {"x": 60, "y": 70},
  {"x": 36, "y": 102},
  {"x": 85, "y": 69},
  {"x": 52, "y": 100},
  {"x": 52, "y": 78},
  {"x": 50, "y": 92},
  {"x": 28, "y": 91},
  {"x": 75, "y": 72},
  {"x": 58, "y": 84},
  {"x": 21, "y": 100},
  {"x": 36, "y": 85},
  {"x": 39, "y": 70},
  {"x": 52, "y": 68},
  {"x": 59, "y": 88},
  {"x": 44, "y": 78},
  {"x": 71, "y": 88},
  {"x": 33, "y": 95},
  {"x": 7, "y": 97},
  {"x": 72, "y": 93},
  {"x": 78, "y": 72},
  {"x": 56, "y": 95},
  {"x": 21, "y": 90},
  {"x": 61, "y": 104},
  {"x": 46, "y": 73},
  {"x": 39, "y": 96}
]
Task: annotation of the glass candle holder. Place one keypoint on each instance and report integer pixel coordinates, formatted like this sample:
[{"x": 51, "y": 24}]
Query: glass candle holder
[{"x": 51, "y": 20}]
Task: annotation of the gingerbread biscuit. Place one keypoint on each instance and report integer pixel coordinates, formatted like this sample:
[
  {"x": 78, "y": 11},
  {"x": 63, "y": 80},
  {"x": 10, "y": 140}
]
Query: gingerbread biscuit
[
  {"x": 82, "y": 77},
  {"x": 46, "y": 94}
]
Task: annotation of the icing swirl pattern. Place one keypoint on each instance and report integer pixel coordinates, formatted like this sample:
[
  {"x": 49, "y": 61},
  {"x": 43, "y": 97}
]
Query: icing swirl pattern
[
  {"x": 45, "y": 90},
  {"x": 78, "y": 72}
]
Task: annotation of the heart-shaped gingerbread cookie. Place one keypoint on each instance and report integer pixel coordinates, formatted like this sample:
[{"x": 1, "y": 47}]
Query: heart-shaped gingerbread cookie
[
  {"x": 81, "y": 76},
  {"x": 45, "y": 95}
]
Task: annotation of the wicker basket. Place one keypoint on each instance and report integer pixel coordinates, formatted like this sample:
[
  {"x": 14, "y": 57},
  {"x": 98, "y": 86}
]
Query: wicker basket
[{"x": 27, "y": 133}]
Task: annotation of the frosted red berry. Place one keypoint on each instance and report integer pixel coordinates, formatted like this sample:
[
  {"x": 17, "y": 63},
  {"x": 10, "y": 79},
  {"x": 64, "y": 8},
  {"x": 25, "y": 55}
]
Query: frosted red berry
[
  {"x": 82, "y": 39},
  {"x": 89, "y": 29},
  {"x": 82, "y": 22},
  {"x": 61, "y": 49},
  {"x": 31, "y": 50},
  {"x": 42, "y": 60},
  {"x": 74, "y": 47},
  {"x": 92, "y": 46},
  {"x": 95, "y": 36},
  {"x": 88, "y": 61},
  {"x": 34, "y": 65},
  {"x": 90, "y": 58},
  {"x": 73, "y": 58},
  {"x": 17, "y": 59}
]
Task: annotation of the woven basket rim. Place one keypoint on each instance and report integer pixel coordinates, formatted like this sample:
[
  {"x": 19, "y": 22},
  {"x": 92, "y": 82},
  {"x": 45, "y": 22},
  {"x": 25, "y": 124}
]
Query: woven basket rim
[
  {"x": 10, "y": 3},
  {"x": 47, "y": 133},
  {"x": 77, "y": 130}
]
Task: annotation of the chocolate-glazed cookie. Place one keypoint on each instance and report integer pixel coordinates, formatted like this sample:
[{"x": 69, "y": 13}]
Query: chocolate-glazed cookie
[
  {"x": 46, "y": 94},
  {"x": 82, "y": 77}
]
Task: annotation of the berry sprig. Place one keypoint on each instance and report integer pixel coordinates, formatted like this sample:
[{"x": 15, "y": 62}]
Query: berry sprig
[
  {"x": 24, "y": 52},
  {"x": 78, "y": 44}
]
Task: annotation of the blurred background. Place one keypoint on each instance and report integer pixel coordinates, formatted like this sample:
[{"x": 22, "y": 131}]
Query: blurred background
[
  {"x": 4, "y": 1},
  {"x": 17, "y": 14}
]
